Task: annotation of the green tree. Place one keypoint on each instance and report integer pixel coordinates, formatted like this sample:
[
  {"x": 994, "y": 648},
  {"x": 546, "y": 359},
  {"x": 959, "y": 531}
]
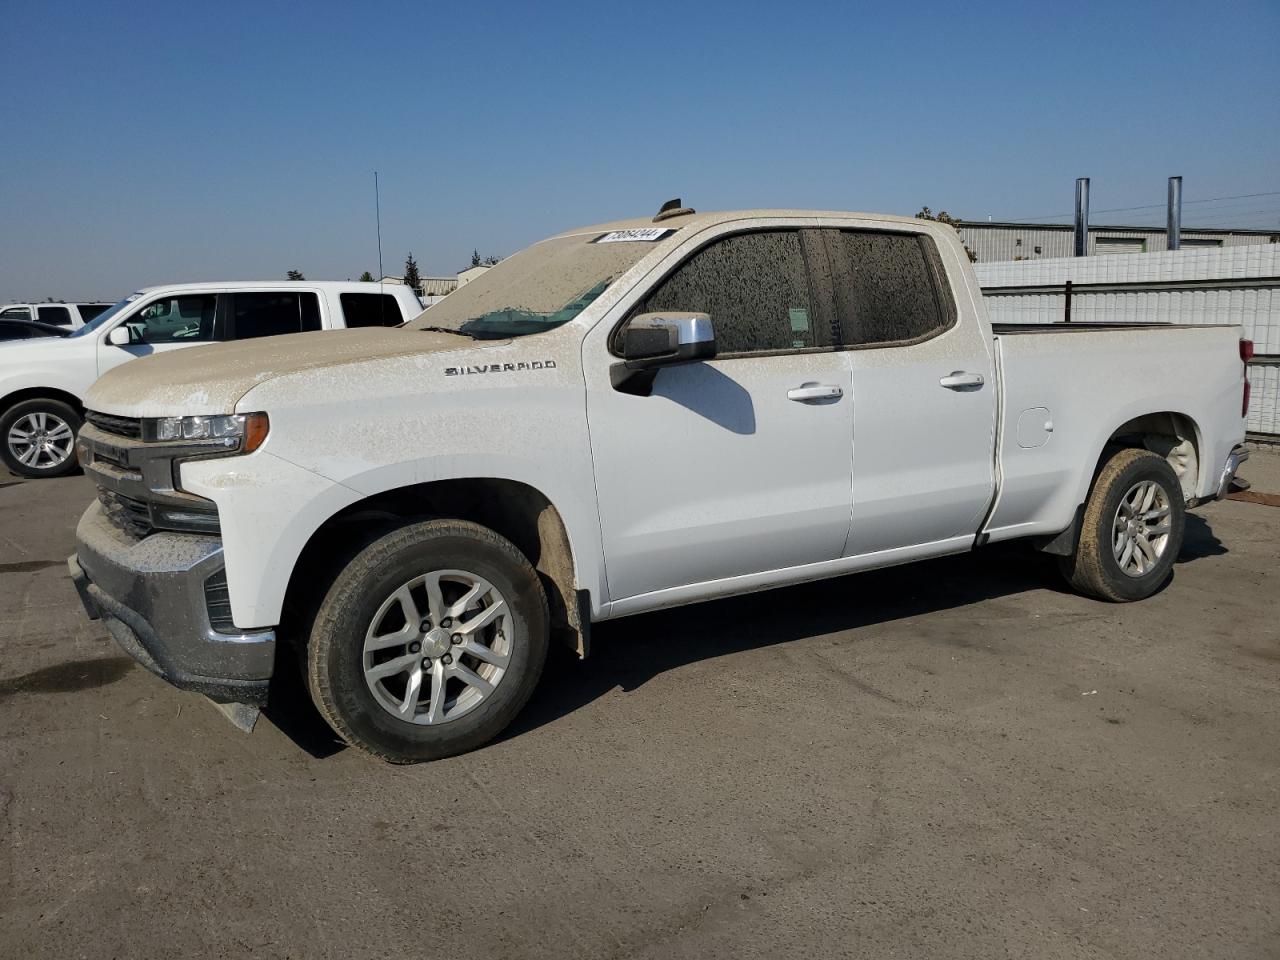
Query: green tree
[
  {"x": 475, "y": 258},
  {"x": 943, "y": 217},
  {"x": 411, "y": 276},
  {"x": 296, "y": 275},
  {"x": 366, "y": 277}
]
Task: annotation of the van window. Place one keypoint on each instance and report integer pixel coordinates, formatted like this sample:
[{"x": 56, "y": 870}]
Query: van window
[
  {"x": 371, "y": 310},
  {"x": 16, "y": 313},
  {"x": 271, "y": 314},
  {"x": 889, "y": 287},
  {"x": 58, "y": 316}
]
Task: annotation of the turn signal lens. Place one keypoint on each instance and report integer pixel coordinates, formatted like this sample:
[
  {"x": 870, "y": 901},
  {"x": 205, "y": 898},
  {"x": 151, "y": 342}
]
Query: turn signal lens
[{"x": 256, "y": 426}]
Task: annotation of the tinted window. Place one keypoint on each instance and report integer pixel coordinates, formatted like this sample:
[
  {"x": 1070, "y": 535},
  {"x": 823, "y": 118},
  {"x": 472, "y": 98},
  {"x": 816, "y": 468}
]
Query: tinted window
[
  {"x": 59, "y": 316},
  {"x": 370, "y": 310},
  {"x": 14, "y": 331},
  {"x": 272, "y": 314},
  {"x": 90, "y": 310},
  {"x": 754, "y": 286},
  {"x": 888, "y": 287},
  {"x": 174, "y": 320},
  {"x": 16, "y": 313}
]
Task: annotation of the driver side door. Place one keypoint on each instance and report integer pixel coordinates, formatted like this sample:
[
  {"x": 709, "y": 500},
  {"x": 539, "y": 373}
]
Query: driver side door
[
  {"x": 164, "y": 324},
  {"x": 733, "y": 466}
]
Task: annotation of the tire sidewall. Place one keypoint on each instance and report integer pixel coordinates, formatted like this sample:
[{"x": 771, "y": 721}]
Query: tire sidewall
[
  {"x": 20, "y": 410},
  {"x": 1145, "y": 468},
  {"x": 355, "y": 599}
]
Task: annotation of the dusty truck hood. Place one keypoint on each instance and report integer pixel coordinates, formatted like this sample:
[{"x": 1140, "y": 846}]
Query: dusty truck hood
[{"x": 210, "y": 379}]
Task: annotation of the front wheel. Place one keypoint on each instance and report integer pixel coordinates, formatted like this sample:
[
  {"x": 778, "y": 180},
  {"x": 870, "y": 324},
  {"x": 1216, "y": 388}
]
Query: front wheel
[
  {"x": 429, "y": 642},
  {"x": 1132, "y": 530},
  {"x": 39, "y": 438}
]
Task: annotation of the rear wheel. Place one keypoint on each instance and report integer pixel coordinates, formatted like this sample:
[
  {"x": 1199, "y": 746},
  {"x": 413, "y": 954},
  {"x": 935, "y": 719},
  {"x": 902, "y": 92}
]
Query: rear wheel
[
  {"x": 39, "y": 438},
  {"x": 429, "y": 642},
  {"x": 1132, "y": 530}
]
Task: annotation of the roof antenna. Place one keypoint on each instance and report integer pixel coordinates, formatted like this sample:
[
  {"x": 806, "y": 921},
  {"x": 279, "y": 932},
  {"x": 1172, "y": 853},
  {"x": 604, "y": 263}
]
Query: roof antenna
[
  {"x": 672, "y": 208},
  {"x": 377, "y": 212}
]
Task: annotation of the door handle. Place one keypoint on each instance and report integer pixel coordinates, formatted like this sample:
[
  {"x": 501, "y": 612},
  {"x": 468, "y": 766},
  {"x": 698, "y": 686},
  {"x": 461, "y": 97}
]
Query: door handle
[
  {"x": 814, "y": 391},
  {"x": 958, "y": 380}
]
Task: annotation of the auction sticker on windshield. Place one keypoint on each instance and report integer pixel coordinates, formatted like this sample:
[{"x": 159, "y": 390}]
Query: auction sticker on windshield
[{"x": 638, "y": 235}]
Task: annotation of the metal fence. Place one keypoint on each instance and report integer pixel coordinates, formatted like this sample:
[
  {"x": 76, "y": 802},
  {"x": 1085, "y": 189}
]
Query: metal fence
[{"x": 1239, "y": 285}]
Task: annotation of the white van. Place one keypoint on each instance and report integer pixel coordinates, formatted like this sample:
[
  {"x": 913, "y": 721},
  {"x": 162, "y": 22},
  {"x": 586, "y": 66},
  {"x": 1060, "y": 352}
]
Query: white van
[
  {"x": 42, "y": 380},
  {"x": 72, "y": 316}
]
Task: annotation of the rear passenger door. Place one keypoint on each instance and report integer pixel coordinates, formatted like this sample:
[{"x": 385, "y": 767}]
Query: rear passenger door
[
  {"x": 271, "y": 313},
  {"x": 924, "y": 396}
]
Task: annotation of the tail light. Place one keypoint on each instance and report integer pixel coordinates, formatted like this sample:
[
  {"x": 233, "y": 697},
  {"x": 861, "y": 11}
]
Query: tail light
[{"x": 1246, "y": 354}]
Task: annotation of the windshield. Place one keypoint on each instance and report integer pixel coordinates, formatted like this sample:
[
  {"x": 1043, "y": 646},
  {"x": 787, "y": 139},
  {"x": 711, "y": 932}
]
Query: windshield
[
  {"x": 537, "y": 289},
  {"x": 105, "y": 316}
]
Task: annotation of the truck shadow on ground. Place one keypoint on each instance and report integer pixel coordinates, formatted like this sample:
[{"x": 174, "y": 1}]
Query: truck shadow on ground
[{"x": 627, "y": 653}]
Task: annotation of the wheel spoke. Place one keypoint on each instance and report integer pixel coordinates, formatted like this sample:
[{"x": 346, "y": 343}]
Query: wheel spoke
[
  {"x": 435, "y": 599},
  {"x": 1147, "y": 549},
  {"x": 1156, "y": 514},
  {"x": 1127, "y": 554},
  {"x": 392, "y": 667},
  {"x": 1158, "y": 531},
  {"x": 487, "y": 654},
  {"x": 472, "y": 679},
  {"x": 40, "y": 420},
  {"x": 409, "y": 705},
  {"x": 402, "y": 637},
  {"x": 461, "y": 605},
  {"x": 29, "y": 457},
  {"x": 485, "y": 617},
  {"x": 60, "y": 432},
  {"x": 435, "y": 712}
]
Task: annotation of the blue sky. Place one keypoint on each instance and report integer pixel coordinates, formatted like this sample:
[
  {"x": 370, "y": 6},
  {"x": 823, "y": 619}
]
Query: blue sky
[{"x": 144, "y": 144}]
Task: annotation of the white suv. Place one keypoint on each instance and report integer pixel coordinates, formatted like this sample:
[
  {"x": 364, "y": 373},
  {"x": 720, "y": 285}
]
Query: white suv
[{"x": 43, "y": 380}]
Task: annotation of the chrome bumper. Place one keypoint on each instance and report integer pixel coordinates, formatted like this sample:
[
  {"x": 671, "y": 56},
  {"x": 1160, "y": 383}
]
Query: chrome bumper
[{"x": 150, "y": 595}]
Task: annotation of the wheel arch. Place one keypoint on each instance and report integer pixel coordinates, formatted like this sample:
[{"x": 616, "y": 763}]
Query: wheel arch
[
  {"x": 511, "y": 508},
  {"x": 1173, "y": 435},
  {"x": 15, "y": 397}
]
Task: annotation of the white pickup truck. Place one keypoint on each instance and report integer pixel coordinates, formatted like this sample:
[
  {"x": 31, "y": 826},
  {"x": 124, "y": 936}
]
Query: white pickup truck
[
  {"x": 43, "y": 379},
  {"x": 617, "y": 419}
]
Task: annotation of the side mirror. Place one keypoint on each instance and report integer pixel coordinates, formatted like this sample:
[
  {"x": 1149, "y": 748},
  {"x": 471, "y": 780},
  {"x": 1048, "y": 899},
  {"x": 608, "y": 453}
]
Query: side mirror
[
  {"x": 654, "y": 340},
  {"x": 121, "y": 336}
]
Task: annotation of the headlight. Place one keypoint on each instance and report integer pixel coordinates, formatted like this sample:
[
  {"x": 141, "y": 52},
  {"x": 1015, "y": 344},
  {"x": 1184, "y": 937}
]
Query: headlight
[{"x": 244, "y": 432}]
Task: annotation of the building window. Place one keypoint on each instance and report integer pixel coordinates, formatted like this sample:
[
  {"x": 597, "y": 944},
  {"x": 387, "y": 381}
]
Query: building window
[{"x": 1109, "y": 245}]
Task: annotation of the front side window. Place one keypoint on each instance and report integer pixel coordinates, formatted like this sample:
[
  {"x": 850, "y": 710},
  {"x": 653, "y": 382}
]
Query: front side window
[
  {"x": 370, "y": 310},
  {"x": 58, "y": 316},
  {"x": 174, "y": 320},
  {"x": 888, "y": 287},
  {"x": 754, "y": 286},
  {"x": 273, "y": 314}
]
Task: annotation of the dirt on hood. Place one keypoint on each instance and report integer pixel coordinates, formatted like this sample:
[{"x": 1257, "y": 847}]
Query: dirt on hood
[{"x": 210, "y": 379}]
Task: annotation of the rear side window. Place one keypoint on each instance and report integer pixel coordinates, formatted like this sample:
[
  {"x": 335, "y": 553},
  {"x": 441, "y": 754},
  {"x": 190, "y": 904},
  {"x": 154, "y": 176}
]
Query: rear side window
[
  {"x": 754, "y": 286},
  {"x": 16, "y": 313},
  {"x": 889, "y": 288},
  {"x": 59, "y": 316},
  {"x": 90, "y": 310},
  {"x": 272, "y": 314},
  {"x": 370, "y": 309}
]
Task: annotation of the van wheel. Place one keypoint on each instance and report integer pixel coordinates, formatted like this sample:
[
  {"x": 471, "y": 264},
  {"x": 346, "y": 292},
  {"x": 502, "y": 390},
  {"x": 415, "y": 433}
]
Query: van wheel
[
  {"x": 38, "y": 438},
  {"x": 1132, "y": 530},
  {"x": 429, "y": 642}
]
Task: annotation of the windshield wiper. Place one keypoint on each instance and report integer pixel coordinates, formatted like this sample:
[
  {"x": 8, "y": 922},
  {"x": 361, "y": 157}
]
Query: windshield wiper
[{"x": 456, "y": 333}]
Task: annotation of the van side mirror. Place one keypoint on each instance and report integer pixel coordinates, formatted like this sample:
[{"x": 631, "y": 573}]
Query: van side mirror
[
  {"x": 655, "y": 340},
  {"x": 120, "y": 336}
]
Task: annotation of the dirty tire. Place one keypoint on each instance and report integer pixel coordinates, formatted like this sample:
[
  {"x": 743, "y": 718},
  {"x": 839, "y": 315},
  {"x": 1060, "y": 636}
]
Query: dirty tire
[
  {"x": 19, "y": 412},
  {"x": 1093, "y": 569},
  {"x": 335, "y": 651}
]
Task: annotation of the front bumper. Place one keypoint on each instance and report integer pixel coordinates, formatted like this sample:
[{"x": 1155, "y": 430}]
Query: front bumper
[{"x": 150, "y": 595}]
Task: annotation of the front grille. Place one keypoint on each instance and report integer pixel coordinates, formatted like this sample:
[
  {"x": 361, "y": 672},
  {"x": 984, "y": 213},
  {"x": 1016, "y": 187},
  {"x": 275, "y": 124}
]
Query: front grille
[
  {"x": 217, "y": 600},
  {"x": 130, "y": 427},
  {"x": 130, "y": 515}
]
